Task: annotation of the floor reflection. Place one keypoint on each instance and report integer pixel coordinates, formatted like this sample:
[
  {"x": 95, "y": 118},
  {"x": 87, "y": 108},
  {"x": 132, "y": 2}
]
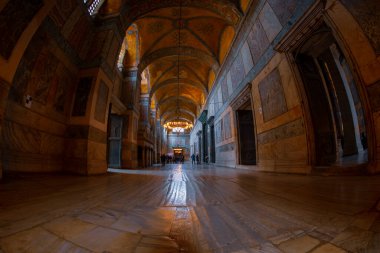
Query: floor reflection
[
  {"x": 185, "y": 208},
  {"x": 176, "y": 194}
]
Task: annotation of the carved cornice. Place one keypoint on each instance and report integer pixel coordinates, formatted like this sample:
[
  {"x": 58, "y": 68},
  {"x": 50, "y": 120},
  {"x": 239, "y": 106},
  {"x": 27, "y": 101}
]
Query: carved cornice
[
  {"x": 304, "y": 26},
  {"x": 242, "y": 98}
]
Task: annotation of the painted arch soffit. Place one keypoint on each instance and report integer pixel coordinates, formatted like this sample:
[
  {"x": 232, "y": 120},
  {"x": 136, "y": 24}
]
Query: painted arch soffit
[
  {"x": 199, "y": 29},
  {"x": 174, "y": 51},
  {"x": 174, "y": 82},
  {"x": 178, "y": 117},
  {"x": 181, "y": 111},
  {"x": 229, "y": 10},
  {"x": 180, "y": 98},
  {"x": 189, "y": 68},
  {"x": 182, "y": 105}
]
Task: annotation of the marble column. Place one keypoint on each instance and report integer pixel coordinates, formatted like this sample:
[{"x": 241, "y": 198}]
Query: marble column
[
  {"x": 86, "y": 135},
  {"x": 129, "y": 142}
]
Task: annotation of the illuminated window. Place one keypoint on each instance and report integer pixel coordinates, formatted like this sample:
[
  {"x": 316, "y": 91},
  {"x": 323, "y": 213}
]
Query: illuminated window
[
  {"x": 93, "y": 5},
  {"x": 178, "y": 130}
]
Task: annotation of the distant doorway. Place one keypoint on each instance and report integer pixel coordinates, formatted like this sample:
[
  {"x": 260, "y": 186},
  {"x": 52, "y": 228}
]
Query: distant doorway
[
  {"x": 335, "y": 106},
  {"x": 245, "y": 127},
  {"x": 114, "y": 141},
  {"x": 246, "y": 135},
  {"x": 179, "y": 155}
]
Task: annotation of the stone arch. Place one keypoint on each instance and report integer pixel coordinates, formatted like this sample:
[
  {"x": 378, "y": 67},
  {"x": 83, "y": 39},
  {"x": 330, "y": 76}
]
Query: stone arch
[
  {"x": 212, "y": 61},
  {"x": 182, "y": 81}
]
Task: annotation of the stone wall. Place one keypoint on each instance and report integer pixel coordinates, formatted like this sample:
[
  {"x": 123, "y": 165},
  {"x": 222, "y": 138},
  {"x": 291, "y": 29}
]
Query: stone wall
[
  {"x": 39, "y": 101},
  {"x": 61, "y": 73},
  {"x": 283, "y": 142}
]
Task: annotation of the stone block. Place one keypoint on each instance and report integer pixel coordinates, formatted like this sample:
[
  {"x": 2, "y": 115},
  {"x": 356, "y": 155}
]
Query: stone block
[
  {"x": 328, "y": 248},
  {"x": 272, "y": 96},
  {"x": 271, "y": 24},
  {"x": 247, "y": 58},
  {"x": 300, "y": 245},
  {"x": 257, "y": 41}
]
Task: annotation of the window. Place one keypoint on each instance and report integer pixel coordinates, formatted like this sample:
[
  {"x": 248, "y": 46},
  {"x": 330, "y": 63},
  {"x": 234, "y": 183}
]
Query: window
[{"x": 93, "y": 6}]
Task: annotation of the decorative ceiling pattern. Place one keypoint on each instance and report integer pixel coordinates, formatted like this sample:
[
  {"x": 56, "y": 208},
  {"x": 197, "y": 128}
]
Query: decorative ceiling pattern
[{"x": 182, "y": 45}]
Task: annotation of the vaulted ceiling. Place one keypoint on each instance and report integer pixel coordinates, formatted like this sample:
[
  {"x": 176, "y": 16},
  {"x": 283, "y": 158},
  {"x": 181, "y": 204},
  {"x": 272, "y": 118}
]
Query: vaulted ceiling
[{"x": 183, "y": 43}]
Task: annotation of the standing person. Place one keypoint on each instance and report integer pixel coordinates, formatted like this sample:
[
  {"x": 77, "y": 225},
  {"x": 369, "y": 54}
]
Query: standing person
[
  {"x": 197, "y": 157},
  {"x": 193, "y": 159}
]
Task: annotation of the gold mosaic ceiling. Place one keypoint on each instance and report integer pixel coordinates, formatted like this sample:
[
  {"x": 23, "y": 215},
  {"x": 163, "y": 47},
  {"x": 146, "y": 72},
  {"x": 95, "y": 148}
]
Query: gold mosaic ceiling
[{"x": 182, "y": 45}]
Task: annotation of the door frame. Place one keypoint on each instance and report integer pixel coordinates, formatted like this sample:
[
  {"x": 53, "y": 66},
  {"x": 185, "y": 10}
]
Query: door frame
[
  {"x": 301, "y": 32},
  {"x": 241, "y": 99}
]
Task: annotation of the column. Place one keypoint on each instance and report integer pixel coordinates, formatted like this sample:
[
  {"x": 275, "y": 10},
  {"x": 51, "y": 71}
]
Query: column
[{"x": 130, "y": 128}]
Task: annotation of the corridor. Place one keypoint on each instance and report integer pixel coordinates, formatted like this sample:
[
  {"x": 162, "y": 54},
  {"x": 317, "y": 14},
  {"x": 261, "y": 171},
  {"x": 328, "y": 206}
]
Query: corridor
[{"x": 185, "y": 208}]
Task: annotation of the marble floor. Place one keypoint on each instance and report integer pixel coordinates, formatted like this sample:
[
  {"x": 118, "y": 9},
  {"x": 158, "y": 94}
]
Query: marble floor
[{"x": 180, "y": 208}]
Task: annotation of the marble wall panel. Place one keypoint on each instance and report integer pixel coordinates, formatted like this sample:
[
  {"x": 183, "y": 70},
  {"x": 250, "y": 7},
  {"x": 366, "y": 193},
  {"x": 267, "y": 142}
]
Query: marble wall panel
[
  {"x": 271, "y": 24},
  {"x": 367, "y": 14},
  {"x": 42, "y": 76},
  {"x": 218, "y": 131},
  {"x": 272, "y": 96},
  {"x": 21, "y": 138},
  {"x": 52, "y": 144},
  {"x": 102, "y": 102},
  {"x": 283, "y": 9},
  {"x": 43, "y": 72},
  {"x": 288, "y": 130},
  {"x": 227, "y": 126},
  {"x": 257, "y": 41},
  {"x": 285, "y": 151},
  {"x": 86, "y": 132},
  {"x": 61, "y": 89},
  {"x": 226, "y": 148},
  {"x": 237, "y": 71},
  {"x": 14, "y": 18},
  {"x": 81, "y": 96},
  {"x": 220, "y": 97},
  {"x": 224, "y": 90},
  {"x": 247, "y": 57},
  {"x": 96, "y": 151},
  {"x": 229, "y": 83}
]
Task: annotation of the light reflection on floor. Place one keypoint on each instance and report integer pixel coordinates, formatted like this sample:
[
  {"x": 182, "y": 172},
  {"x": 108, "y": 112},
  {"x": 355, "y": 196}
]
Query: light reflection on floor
[{"x": 185, "y": 208}]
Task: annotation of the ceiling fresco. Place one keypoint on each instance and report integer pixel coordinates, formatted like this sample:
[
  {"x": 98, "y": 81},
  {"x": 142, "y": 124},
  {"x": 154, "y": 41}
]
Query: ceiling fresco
[{"x": 182, "y": 44}]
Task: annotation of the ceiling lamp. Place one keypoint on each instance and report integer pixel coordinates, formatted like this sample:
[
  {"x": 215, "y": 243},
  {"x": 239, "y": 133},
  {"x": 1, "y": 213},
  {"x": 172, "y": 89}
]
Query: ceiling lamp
[{"x": 175, "y": 126}]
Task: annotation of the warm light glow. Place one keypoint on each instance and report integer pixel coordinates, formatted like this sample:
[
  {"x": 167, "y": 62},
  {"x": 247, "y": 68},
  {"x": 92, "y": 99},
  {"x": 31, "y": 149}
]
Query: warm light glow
[{"x": 178, "y": 126}]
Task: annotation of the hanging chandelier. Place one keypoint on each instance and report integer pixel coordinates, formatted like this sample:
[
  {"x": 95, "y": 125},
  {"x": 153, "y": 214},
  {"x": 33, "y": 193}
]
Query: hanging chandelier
[{"x": 175, "y": 126}]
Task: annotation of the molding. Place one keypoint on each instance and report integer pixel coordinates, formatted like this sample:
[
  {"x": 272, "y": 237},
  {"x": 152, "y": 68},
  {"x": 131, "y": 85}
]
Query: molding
[
  {"x": 242, "y": 98},
  {"x": 304, "y": 26}
]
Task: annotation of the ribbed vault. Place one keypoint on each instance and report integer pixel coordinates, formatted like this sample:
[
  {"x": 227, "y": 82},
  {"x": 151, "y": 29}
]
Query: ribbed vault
[{"x": 181, "y": 43}]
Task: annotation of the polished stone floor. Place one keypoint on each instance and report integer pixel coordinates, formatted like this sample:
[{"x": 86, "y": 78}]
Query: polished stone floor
[{"x": 180, "y": 208}]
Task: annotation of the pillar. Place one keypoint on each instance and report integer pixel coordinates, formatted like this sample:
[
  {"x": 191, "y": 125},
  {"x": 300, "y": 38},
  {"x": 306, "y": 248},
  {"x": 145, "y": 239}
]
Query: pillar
[
  {"x": 129, "y": 142},
  {"x": 86, "y": 135}
]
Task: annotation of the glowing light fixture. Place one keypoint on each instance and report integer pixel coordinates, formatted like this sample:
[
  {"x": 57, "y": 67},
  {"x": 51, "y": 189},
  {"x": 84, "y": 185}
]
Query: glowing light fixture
[{"x": 178, "y": 126}]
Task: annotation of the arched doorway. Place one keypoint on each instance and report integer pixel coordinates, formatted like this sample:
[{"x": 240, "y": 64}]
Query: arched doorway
[{"x": 336, "y": 110}]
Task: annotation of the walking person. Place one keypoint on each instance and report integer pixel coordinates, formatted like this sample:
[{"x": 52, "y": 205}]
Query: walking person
[{"x": 193, "y": 159}]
